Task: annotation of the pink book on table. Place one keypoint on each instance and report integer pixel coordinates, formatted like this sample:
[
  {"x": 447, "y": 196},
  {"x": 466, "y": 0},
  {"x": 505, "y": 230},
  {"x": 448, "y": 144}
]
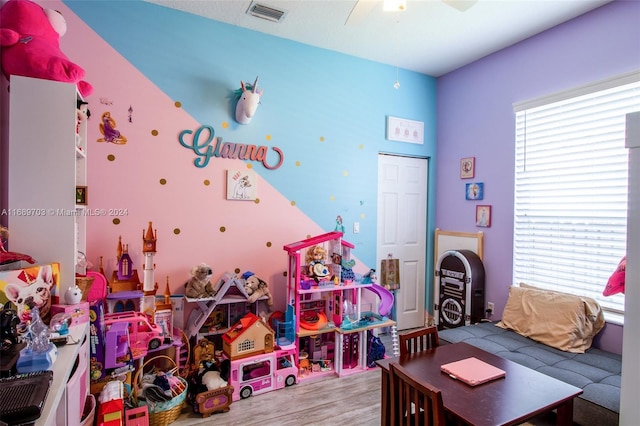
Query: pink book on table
[{"x": 472, "y": 371}]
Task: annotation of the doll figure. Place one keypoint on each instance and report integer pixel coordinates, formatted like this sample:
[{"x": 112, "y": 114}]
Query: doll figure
[
  {"x": 315, "y": 258},
  {"x": 108, "y": 129}
]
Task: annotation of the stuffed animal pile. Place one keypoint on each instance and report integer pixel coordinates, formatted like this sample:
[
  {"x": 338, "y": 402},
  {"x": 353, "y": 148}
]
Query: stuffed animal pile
[{"x": 30, "y": 41}]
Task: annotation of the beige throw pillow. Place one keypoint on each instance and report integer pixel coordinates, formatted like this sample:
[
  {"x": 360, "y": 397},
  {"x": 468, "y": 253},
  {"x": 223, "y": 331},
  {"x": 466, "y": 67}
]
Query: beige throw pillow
[{"x": 563, "y": 321}]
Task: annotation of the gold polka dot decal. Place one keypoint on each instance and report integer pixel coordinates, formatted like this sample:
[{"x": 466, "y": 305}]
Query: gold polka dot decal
[
  {"x": 163, "y": 181},
  {"x": 237, "y": 270},
  {"x": 268, "y": 243},
  {"x": 268, "y": 137},
  {"x": 361, "y": 146},
  {"x": 298, "y": 163},
  {"x": 111, "y": 157},
  {"x": 176, "y": 231},
  {"x": 332, "y": 198},
  {"x": 116, "y": 221},
  {"x": 249, "y": 166},
  {"x": 362, "y": 215},
  {"x": 177, "y": 104},
  {"x": 293, "y": 203},
  {"x": 154, "y": 132},
  {"x": 223, "y": 229},
  {"x": 207, "y": 182},
  {"x": 257, "y": 201},
  {"x": 321, "y": 138},
  {"x": 345, "y": 173},
  {"x": 225, "y": 125}
]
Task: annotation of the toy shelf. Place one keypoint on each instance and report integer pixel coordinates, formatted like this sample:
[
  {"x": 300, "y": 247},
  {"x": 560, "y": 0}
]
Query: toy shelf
[
  {"x": 332, "y": 287},
  {"x": 306, "y": 333}
]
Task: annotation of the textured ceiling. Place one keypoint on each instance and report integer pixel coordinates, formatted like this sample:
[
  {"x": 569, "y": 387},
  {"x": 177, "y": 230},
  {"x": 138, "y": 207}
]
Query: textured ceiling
[{"x": 430, "y": 36}]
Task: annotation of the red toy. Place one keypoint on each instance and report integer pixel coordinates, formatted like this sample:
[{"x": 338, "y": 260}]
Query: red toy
[
  {"x": 615, "y": 284},
  {"x": 30, "y": 40}
]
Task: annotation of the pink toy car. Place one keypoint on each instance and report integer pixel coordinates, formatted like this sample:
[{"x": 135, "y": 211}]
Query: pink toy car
[
  {"x": 143, "y": 334},
  {"x": 263, "y": 373}
]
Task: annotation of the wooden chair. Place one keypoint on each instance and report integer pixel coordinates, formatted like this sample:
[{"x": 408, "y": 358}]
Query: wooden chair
[
  {"x": 414, "y": 402},
  {"x": 419, "y": 340}
]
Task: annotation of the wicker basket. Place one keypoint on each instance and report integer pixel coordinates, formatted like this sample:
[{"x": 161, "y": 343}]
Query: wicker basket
[
  {"x": 163, "y": 413},
  {"x": 84, "y": 284}
]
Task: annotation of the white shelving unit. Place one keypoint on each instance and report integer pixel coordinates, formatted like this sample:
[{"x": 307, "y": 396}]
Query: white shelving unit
[{"x": 45, "y": 166}]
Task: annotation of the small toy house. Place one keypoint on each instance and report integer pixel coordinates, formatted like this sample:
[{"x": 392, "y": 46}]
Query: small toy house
[{"x": 249, "y": 336}]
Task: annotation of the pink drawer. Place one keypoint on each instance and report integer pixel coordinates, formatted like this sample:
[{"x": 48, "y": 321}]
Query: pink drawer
[{"x": 79, "y": 313}]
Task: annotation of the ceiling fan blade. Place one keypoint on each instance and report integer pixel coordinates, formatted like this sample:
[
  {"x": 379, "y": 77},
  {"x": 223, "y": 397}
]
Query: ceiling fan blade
[
  {"x": 461, "y": 5},
  {"x": 360, "y": 11}
]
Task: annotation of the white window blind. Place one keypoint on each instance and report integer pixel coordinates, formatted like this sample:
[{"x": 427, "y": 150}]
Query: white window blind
[{"x": 570, "y": 210}]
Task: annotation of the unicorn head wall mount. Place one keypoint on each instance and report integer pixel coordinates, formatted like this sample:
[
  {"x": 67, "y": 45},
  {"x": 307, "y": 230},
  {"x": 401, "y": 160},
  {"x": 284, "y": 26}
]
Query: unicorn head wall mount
[{"x": 248, "y": 101}]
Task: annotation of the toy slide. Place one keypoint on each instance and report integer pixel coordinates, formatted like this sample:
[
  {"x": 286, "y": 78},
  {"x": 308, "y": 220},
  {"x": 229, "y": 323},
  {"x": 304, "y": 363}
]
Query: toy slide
[{"x": 386, "y": 299}]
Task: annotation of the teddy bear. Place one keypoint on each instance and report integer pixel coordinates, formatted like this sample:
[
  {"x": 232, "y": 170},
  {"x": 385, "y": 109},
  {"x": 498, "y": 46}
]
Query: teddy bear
[
  {"x": 30, "y": 41},
  {"x": 199, "y": 285},
  {"x": 256, "y": 288}
]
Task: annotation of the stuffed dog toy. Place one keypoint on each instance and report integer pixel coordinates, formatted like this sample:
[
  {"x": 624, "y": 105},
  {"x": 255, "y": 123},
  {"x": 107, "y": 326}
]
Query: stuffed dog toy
[
  {"x": 200, "y": 285},
  {"x": 256, "y": 288},
  {"x": 32, "y": 292}
]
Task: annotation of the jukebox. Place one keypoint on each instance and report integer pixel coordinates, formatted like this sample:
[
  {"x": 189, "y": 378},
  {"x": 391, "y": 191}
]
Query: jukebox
[{"x": 459, "y": 289}]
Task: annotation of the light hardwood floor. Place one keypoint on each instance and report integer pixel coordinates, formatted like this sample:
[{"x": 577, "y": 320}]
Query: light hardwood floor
[{"x": 351, "y": 400}]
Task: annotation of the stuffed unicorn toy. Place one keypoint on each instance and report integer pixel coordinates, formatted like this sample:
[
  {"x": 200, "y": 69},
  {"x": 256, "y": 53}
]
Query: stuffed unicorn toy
[{"x": 248, "y": 102}]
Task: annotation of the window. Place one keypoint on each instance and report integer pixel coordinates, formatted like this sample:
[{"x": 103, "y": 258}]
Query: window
[{"x": 570, "y": 201}]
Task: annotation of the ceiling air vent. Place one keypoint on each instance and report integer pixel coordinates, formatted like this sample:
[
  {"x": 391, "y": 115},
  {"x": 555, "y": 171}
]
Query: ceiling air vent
[{"x": 266, "y": 12}]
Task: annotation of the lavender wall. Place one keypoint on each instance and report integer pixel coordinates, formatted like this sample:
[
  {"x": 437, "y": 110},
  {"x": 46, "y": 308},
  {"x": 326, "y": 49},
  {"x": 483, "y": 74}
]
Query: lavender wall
[{"x": 476, "y": 119}]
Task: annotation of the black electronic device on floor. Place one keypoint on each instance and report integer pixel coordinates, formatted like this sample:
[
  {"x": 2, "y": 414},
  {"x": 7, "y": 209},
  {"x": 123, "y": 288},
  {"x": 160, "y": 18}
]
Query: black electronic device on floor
[{"x": 22, "y": 396}]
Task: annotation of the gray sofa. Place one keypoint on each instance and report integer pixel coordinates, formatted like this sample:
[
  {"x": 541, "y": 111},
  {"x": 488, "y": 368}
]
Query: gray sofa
[{"x": 596, "y": 372}]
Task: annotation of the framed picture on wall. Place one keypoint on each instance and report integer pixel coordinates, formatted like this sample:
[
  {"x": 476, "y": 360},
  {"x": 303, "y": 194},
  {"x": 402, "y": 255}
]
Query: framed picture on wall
[
  {"x": 404, "y": 130},
  {"x": 81, "y": 195},
  {"x": 474, "y": 191},
  {"x": 467, "y": 167},
  {"x": 241, "y": 185},
  {"x": 483, "y": 216}
]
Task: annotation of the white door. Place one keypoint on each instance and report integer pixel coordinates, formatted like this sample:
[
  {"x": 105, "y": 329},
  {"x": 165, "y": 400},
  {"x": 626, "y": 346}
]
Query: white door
[{"x": 402, "y": 231}]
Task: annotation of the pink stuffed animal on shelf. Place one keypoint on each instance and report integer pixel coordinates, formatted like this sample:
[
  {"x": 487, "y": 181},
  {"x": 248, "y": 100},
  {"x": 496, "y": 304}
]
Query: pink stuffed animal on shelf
[{"x": 30, "y": 45}]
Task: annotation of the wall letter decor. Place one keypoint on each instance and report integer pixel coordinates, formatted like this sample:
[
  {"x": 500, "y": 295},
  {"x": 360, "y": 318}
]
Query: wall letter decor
[{"x": 214, "y": 147}]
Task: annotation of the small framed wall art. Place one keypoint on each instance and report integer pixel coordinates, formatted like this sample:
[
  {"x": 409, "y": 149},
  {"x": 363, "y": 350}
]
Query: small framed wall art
[
  {"x": 474, "y": 191},
  {"x": 241, "y": 185},
  {"x": 81, "y": 195},
  {"x": 403, "y": 130},
  {"x": 467, "y": 168},
  {"x": 483, "y": 216}
]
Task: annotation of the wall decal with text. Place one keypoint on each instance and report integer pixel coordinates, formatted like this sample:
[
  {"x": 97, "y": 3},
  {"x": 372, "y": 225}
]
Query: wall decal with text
[{"x": 213, "y": 146}]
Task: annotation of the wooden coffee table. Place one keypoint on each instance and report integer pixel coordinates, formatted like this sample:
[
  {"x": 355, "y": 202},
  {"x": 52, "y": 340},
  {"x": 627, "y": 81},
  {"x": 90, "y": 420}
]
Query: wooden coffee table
[{"x": 522, "y": 394}]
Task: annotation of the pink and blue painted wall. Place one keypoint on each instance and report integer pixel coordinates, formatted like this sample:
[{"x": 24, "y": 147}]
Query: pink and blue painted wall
[{"x": 159, "y": 72}]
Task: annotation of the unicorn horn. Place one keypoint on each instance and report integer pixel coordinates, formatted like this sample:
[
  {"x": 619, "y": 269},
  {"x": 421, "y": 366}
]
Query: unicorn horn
[{"x": 255, "y": 85}]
